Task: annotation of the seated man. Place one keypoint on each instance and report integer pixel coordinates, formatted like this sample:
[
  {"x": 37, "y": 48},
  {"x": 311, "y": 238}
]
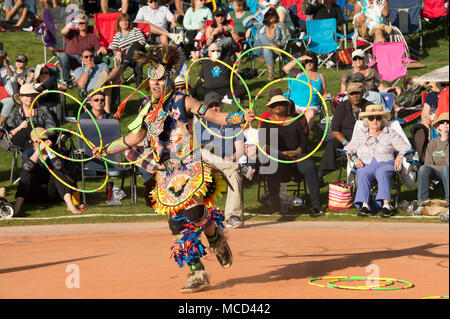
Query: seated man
[
  {"x": 371, "y": 96},
  {"x": 7, "y": 85},
  {"x": 78, "y": 38},
  {"x": 91, "y": 76},
  {"x": 214, "y": 76},
  {"x": 327, "y": 9},
  {"x": 369, "y": 16},
  {"x": 157, "y": 15},
  {"x": 342, "y": 126},
  {"x": 97, "y": 102},
  {"x": 223, "y": 155},
  {"x": 436, "y": 163}
]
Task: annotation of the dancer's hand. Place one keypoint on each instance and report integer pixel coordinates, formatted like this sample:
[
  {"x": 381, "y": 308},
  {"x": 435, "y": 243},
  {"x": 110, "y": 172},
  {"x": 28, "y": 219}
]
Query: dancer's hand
[{"x": 249, "y": 115}]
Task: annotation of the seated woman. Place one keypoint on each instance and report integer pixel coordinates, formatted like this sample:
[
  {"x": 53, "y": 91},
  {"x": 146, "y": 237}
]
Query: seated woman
[
  {"x": 36, "y": 184},
  {"x": 238, "y": 15},
  {"x": 436, "y": 161},
  {"x": 372, "y": 78},
  {"x": 18, "y": 122},
  {"x": 300, "y": 93},
  {"x": 283, "y": 13},
  {"x": 369, "y": 17},
  {"x": 292, "y": 144},
  {"x": 223, "y": 33},
  {"x": 125, "y": 43},
  {"x": 270, "y": 33},
  {"x": 194, "y": 23},
  {"x": 372, "y": 150},
  {"x": 43, "y": 81}
]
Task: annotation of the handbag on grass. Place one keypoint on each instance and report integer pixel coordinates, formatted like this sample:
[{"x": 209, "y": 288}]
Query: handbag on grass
[{"x": 339, "y": 196}]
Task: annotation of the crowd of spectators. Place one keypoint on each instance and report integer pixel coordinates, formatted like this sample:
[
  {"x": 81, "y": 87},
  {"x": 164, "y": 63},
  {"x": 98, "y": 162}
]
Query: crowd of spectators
[{"x": 375, "y": 150}]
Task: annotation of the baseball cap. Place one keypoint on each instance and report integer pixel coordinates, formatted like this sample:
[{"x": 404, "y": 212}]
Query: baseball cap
[
  {"x": 357, "y": 77},
  {"x": 354, "y": 87},
  {"x": 213, "y": 97},
  {"x": 359, "y": 53},
  {"x": 220, "y": 12},
  {"x": 21, "y": 58}
]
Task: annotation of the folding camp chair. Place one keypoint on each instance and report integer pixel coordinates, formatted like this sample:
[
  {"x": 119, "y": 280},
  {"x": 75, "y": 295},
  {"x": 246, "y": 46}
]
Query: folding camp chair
[
  {"x": 405, "y": 15},
  {"x": 390, "y": 60},
  {"x": 110, "y": 131},
  {"x": 322, "y": 38},
  {"x": 435, "y": 12},
  {"x": 347, "y": 10},
  {"x": 54, "y": 21}
]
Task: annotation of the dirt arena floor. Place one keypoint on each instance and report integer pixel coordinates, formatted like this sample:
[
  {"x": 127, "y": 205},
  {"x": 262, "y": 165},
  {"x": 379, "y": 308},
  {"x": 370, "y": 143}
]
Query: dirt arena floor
[{"x": 271, "y": 260}]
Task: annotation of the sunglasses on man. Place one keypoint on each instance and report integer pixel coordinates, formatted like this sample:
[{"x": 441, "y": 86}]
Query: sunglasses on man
[
  {"x": 88, "y": 56},
  {"x": 372, "y": 118},
  {"x": 98, "y": 100},
  {"x": 358, "y": 58}
]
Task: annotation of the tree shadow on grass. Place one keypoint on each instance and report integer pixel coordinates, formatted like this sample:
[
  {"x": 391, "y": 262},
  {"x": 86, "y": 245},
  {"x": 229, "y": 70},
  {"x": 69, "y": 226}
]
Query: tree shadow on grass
[{"x": 322, "y": 268}]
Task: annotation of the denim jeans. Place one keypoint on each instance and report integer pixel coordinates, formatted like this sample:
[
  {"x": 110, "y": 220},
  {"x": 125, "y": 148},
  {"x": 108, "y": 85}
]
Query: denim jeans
[
  {"x": 261, "y": 39},
  {"x": 382, "y": 172},
  {"x": 425, "y": 174},
  {"x": 66, "y": 60},
  {"x": 6, "y": 106}
]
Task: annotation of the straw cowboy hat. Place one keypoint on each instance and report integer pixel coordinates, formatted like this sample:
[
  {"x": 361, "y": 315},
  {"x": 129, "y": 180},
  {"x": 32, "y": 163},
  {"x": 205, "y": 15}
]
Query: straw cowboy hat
[
  {"x": 36, "y": 135},
  {"x": 179, "y": 80},
  {"x": 442, "y": 117},
  {"x": 277, "y": 99},
  {"x": 27, "y": 88},
  {"x": 374, "y": 110}
]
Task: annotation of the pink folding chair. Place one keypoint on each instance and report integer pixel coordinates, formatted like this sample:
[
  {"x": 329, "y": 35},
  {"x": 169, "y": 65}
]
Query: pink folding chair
[{"x": 390, "y": 61}]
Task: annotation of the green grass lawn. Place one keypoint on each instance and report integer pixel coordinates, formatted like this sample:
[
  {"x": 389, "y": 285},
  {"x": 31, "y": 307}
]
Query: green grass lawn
[{"x": 435, "y": 56}]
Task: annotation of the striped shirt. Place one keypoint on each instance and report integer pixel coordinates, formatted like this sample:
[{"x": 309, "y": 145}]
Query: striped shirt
[
  {"x": 9, "y": 82},
  {"x": 124, "y": 42}
]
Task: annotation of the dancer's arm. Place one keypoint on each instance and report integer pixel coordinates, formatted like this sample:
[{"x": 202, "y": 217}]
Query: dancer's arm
[
  {"x": 194, "y": 107},
  {"x": 121, "y": 144}
]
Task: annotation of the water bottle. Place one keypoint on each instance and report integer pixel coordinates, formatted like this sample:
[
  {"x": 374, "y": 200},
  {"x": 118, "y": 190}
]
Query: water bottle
[{"x": 109, "y": 190}]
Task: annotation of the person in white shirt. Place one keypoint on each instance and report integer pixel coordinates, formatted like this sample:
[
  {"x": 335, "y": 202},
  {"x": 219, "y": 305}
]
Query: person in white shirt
[{"x": 157, "y": 15}]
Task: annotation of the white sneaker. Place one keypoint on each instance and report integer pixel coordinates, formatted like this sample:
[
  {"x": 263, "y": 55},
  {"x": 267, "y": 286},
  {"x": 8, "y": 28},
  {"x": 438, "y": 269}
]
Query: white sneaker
[
  {"x": 177, "y": 38},
  {"x": 29, "y": 29}
]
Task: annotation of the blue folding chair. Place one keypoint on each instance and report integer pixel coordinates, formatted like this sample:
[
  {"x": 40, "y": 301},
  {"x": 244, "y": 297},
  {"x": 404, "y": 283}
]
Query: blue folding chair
[
  {"x": 347, "y": 10},
  {"x": 405, "y": 15},
  {"x": 322, "y": 37}
]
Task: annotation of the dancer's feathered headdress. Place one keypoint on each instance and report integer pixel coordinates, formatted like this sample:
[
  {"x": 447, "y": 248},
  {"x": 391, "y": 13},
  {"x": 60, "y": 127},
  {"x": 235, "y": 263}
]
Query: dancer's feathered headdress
[{"x": 165, "y": 60}]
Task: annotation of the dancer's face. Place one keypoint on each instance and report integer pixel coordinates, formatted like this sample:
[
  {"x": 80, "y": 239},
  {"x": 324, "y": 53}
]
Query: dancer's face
[{"x": 157, "y": 87}]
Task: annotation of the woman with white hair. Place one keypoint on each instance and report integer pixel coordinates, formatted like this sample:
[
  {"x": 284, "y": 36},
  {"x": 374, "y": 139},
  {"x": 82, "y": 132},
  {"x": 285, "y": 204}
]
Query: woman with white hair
[{"x": 372, "y": 149}]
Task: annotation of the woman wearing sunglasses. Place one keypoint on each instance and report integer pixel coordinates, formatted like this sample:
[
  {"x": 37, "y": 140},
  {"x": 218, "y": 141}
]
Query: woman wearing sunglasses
[
  {"x": 300, "y": 93},
  {"x": 372, "y": 78},
  {"x": 44, "y": 80},
  {"x": 372, "y": 149}
]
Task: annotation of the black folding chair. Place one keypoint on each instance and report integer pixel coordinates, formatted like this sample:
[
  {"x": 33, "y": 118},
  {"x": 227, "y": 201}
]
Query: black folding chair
[{"x": 110, "y": 131}]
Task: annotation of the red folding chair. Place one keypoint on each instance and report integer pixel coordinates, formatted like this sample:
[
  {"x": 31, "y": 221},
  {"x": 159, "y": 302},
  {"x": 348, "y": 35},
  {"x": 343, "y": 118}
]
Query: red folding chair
[{"x": 105, "y": 27}]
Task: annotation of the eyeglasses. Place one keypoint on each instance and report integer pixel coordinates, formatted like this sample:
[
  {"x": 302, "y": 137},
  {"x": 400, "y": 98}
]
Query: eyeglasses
[
  {"x": 355, "y": 93},
  {"x": 372, "y": 118},
  {"x": 220, "y": 15},
  {"x": 180, "y": 88},
  {"x": 88, "y": 56},
  {"x": 152, "y": 1},
  {"x": 215, "y": 51},
  {"x": 358, "y": 58},
  {"x": 82, "y": 22},
  {"x": 443, "y": 122},
  {"x": 308, "y": 61},
  {"x": 98, "y": 100}
]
